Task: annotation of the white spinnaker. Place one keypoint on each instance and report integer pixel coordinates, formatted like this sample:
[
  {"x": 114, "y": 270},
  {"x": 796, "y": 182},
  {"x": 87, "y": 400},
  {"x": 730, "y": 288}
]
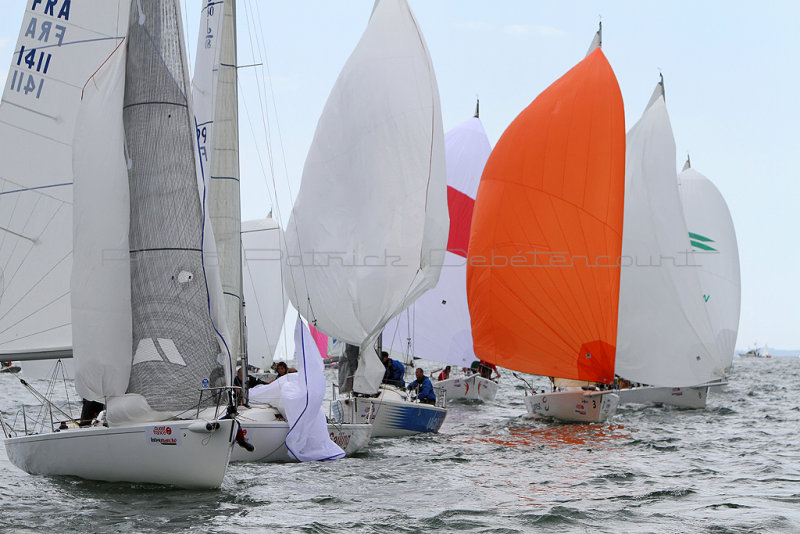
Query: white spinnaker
[
  {"x": 59, "y": 47},
  {"x": 265, "y": 298},
  {"x": 215, "y": 106},
  {"x": 437, "y": 325},
  {"x": 664, "y": 336},
  {"x": 101, "y": 289},
  {"x": 368, "y": 231},
  {"x": 708, "y": 218}
]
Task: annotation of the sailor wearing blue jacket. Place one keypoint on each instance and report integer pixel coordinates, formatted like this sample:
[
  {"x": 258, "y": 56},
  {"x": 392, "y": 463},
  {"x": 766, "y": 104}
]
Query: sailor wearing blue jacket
[
  {"x": 423, "y": 387},
  {"x": 395, "y": 372}
]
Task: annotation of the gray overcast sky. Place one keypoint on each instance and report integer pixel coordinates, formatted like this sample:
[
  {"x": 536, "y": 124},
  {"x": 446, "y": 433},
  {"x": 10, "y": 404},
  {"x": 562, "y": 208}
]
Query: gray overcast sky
[{"x": 731, "y": 76}]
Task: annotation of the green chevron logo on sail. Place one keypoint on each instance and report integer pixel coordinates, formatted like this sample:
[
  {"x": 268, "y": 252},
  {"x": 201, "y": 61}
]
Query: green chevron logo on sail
[{"x": 701, "y": 242}]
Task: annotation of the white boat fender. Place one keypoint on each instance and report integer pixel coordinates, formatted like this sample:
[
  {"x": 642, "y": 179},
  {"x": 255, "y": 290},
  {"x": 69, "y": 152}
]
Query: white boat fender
[{"x": 202, "y": 427}]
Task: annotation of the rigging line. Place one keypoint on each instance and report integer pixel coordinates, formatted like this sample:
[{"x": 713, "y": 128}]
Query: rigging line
[
  {"x": 30, "y": 251},
  {"x": 31, "y": 314},
  {"x": 36, "y": 188},
  {"x": 265, "y": 61},
  {"x": 276, "y": 203},
  {"x": 32, "y": 240},
  {"x": 34, "y": 209},
  {"x": 82, "y": 41},
  {"x": 35, "y": 333}
]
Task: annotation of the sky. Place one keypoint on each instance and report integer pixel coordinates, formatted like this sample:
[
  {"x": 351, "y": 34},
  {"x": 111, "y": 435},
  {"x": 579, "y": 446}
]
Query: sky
[{"x": 730, "y": 71}]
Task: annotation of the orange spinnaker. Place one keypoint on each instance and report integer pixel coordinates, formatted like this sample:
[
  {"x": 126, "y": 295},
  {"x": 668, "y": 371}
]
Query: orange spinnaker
[{"x": 543, "y": 270}]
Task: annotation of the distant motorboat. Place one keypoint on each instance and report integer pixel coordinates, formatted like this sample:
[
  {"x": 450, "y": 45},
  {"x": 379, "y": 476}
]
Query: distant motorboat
[{"x": 756, "y": 352}]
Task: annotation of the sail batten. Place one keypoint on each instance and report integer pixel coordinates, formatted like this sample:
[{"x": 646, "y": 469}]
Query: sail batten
[{"x": 543, "y": 271}]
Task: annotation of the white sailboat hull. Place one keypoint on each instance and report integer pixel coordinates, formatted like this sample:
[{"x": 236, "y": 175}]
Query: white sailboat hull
[
  {"x": 692, "y": 397},
  {"x": 391, "y": 413},
  {"x": 266, "y": 430},
  {"x": 177, "y": 453},
  {"x": 473, "y": 387},
  {"x": 574, "y": 406}
]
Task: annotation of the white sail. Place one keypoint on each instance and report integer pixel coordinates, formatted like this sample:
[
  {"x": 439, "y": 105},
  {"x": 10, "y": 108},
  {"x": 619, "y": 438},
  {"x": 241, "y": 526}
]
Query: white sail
[
  {"x": 101, "y": 289},
  {"x": 215, "y": 104},
  {"x": 368, "y": 231},
  {"x": 713, "y": 240},
  {"x": 437, "y": 325},
  {"x": 664, "y": 336},
  {"x": 265, "y": 298},
  {"x": 61, "y": 44}
]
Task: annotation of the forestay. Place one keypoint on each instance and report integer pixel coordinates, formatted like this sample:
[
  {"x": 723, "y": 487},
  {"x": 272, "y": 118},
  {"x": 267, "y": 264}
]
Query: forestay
[
  {"x": 665, "y": 336},
  {"x": 437, "y": 325},
  {"x": 60, "y": 45},
  {"x": 368, "y": 231},
  {"x": 713, "y": 241}
]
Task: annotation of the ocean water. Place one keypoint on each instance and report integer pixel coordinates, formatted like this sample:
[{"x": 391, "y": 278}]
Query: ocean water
[{"x": 733, "y": 467}]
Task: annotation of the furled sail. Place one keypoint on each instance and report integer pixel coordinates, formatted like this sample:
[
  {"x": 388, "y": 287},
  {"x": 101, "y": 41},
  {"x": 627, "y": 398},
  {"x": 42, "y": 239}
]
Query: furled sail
[
  {"x": 368, "y": 231},
  {"x": 101, "y": 287},
  {"x": 665, "y": 336},
  {"x": 61, "y": 44},
  {"x": 174, "y": 341},
  {"x": 437, "y": 325},
  {"x": 265, "y": 299},
  {"x": 215, "y": 104},
  {"x": 713, "y": 247},
  {"x": 543, "y": 271}
]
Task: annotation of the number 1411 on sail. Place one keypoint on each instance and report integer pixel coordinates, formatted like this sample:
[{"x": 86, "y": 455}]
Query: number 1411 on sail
[{"x": 18, "y": 79}]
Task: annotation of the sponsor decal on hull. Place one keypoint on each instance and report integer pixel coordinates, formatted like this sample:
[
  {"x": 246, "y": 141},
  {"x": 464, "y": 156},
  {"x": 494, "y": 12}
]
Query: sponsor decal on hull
[{"x": 163, "y": 435}]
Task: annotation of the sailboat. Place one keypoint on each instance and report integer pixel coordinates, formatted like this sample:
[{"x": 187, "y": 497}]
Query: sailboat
[
  {"x": 265, "y": 426},
  {"x": 437, "y": 325},
  {"x": 543, "y": 275},
  {"x": 369, "y": 227},
  {"x": 666, "y": 337},
  {"x": 143, "y": 337}
]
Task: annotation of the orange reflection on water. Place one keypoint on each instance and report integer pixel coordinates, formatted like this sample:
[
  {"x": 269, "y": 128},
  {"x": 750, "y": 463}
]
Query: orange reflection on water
[{"x": 554, "y": 436}]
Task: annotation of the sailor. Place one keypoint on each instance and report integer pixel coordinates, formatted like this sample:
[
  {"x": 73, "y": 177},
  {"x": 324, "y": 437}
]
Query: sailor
[
  {"x": 485, "y": 369},
  {"x": 251, "y": 380},
  {"x": 445, "y": 374},
  {"x": 282, "y": 369},
  {"x": 422, "y": 385},
  {"x": 395, "y": 372}
]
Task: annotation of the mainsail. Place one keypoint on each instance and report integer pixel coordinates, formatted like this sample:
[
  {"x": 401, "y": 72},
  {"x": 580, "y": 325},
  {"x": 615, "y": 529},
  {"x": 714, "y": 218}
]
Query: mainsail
[
  {"x": 60, "y": 45},
  {"x": 543, "y": 272},
  {"x": 215, "y": 104},
  {"x": 437, "y": 325},
  {"x": 714, "y": 249},
  {"x": 368, "y": 231},
  {"x": 665, "y": 336}
]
